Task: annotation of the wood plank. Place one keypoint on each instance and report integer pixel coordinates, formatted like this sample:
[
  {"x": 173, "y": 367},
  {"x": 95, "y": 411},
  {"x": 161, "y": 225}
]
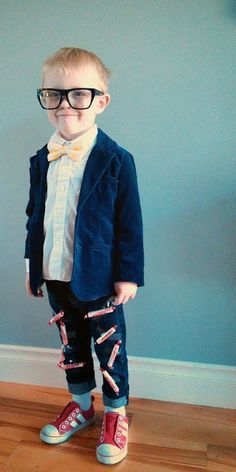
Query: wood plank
[
  {"x": 7, "y": 447},
  {"x": 152, "y": 454},
  {"x": 222, "y": 456}
]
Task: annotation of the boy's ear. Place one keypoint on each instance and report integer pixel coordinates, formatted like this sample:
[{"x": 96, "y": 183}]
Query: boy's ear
[{"x": 102, "y": 102}]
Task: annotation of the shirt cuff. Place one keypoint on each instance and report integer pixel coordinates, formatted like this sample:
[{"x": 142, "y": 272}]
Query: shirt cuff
[{"x": 27, "y": 265}]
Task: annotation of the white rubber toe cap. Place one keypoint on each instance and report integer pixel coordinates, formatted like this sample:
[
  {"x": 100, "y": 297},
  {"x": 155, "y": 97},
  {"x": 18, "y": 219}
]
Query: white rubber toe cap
[
  {"x": 108, "y": 454},
  {"x": 50, "y": 430}
]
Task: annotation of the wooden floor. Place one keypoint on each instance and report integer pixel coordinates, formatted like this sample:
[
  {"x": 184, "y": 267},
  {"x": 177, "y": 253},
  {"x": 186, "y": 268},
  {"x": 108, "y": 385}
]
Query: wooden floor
[{"x": 164, "y": 437}]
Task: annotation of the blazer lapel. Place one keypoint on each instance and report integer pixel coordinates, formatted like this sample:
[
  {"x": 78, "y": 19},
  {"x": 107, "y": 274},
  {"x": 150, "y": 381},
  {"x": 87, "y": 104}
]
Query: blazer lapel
[{"x": 97, "y": 163}]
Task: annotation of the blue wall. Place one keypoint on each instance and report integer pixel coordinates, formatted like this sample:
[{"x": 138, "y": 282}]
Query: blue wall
[{"x": 173, "y": 106}]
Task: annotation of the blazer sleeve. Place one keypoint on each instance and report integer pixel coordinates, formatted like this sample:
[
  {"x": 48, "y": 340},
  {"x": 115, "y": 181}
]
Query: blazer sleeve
[{"x": 129, "y": 226}]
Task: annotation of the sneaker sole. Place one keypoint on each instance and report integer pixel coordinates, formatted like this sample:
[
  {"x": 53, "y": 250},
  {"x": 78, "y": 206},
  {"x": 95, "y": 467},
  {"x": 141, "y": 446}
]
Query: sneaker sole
[
  {"x": 63, "y": 438},
  {"x": 112, "y": 459}
]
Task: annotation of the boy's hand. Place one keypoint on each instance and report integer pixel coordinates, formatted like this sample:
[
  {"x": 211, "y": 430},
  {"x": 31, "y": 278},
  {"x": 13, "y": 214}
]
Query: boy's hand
[
  {"x": 124, "y": 291},
  {"x": 28, "y": 288}
]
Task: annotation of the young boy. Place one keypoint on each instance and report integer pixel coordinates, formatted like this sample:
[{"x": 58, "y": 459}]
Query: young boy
[{"x": 85, "y": 242}]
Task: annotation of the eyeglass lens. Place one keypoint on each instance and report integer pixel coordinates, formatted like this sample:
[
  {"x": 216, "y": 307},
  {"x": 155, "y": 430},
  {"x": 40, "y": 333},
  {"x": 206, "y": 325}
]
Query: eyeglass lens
[{"x": 76, "y": 98}]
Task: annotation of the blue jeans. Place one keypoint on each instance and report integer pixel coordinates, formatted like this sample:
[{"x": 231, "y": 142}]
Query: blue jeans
[{"x": 80, "y": 331}]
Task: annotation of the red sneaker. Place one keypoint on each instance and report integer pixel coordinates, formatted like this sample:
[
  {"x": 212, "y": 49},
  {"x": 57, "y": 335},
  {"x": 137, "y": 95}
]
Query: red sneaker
[
  {"x": 113, "y": 444},
  {"x": 72, "y": 419}
]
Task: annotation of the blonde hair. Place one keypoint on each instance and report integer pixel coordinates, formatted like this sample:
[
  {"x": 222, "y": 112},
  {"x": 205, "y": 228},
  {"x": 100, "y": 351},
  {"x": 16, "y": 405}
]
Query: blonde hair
[{"x": 66, "y": 58}]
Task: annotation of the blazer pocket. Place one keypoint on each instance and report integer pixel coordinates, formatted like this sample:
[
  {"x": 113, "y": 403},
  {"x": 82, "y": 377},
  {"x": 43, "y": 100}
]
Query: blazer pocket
[{"x": 109, "y": 179}]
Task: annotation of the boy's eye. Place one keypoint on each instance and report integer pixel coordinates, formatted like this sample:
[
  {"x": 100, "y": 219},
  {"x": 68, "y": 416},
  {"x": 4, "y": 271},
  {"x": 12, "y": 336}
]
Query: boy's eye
[
  {"x": 50, "y": 94},
  {"x": 80, "y": 93}
]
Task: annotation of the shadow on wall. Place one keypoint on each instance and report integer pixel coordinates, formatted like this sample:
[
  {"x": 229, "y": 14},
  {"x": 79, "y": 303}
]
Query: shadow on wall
[
  {"x": 232, "y": 9},
  {"x": 199, "y": 243}
]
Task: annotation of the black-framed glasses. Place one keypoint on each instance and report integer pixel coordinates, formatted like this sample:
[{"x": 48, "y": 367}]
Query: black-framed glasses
[{"x": 78, "y": 98}]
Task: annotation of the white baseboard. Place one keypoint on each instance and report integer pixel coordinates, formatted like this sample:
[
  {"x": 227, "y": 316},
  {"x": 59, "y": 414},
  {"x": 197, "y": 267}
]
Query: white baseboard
[{"x": 157, "y": 379}]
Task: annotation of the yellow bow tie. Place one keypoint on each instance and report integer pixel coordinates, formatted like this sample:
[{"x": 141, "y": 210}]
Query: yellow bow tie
[{"x": 56, "y": 151}]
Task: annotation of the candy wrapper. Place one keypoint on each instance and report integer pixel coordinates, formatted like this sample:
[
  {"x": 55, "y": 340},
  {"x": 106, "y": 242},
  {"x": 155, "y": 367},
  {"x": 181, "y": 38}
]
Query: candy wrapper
[
  {"x": 106, "y": 335},
  {"x": 56, "y": 318},
  {"x": 68, "y": 366},
  {"x": 103, "y": 311},
  {"x": 110, "y": 381},
  {"x": 113, "y": 355},
  {"x": 108, "y": 308},
  {"x": 63, "y": 333}
]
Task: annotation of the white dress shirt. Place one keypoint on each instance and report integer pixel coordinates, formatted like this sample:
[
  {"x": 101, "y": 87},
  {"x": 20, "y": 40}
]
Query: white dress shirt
[{"x": 64, "y": 179}]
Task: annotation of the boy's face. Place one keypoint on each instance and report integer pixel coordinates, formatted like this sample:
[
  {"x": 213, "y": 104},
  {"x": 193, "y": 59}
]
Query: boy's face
[{"x": 72, "y": 123}]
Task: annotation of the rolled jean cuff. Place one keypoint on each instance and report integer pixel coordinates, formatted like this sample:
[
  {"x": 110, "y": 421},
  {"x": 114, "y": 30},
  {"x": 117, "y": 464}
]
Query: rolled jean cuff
[
  {"x": 80, "y": 388},
  {"x": 114, "y": 402}
]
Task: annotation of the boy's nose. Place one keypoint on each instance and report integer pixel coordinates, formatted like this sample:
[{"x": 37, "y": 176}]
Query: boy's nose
[{"x": 64, "y": 102}]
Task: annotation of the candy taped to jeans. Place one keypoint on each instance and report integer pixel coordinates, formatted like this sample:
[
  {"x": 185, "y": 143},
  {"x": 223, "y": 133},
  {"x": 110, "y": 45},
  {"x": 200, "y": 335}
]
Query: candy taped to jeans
[
  {"x": 70, "y": 366},
  {"x": 73, "y": 365},
  {"x": 62, "y": 358},
  {"x": 106, "y": 335},
  {"x": 56, "y": 318},
  {"x": 107, "y": 308},
  {"x": 113, "y": 354},
  {"x": 101, "y": 312},
  {"x": 110, "y": 381},
  {"x": 63, "y": 333}
]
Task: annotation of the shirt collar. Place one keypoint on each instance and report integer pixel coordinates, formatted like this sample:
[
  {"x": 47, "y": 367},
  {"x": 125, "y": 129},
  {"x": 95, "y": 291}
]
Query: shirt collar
[{"x": 86, "y": 140}]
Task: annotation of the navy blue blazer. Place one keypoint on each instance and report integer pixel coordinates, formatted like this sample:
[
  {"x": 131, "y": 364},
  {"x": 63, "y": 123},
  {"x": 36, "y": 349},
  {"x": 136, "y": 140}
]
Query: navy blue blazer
[{"x": 108, "y": 239}]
